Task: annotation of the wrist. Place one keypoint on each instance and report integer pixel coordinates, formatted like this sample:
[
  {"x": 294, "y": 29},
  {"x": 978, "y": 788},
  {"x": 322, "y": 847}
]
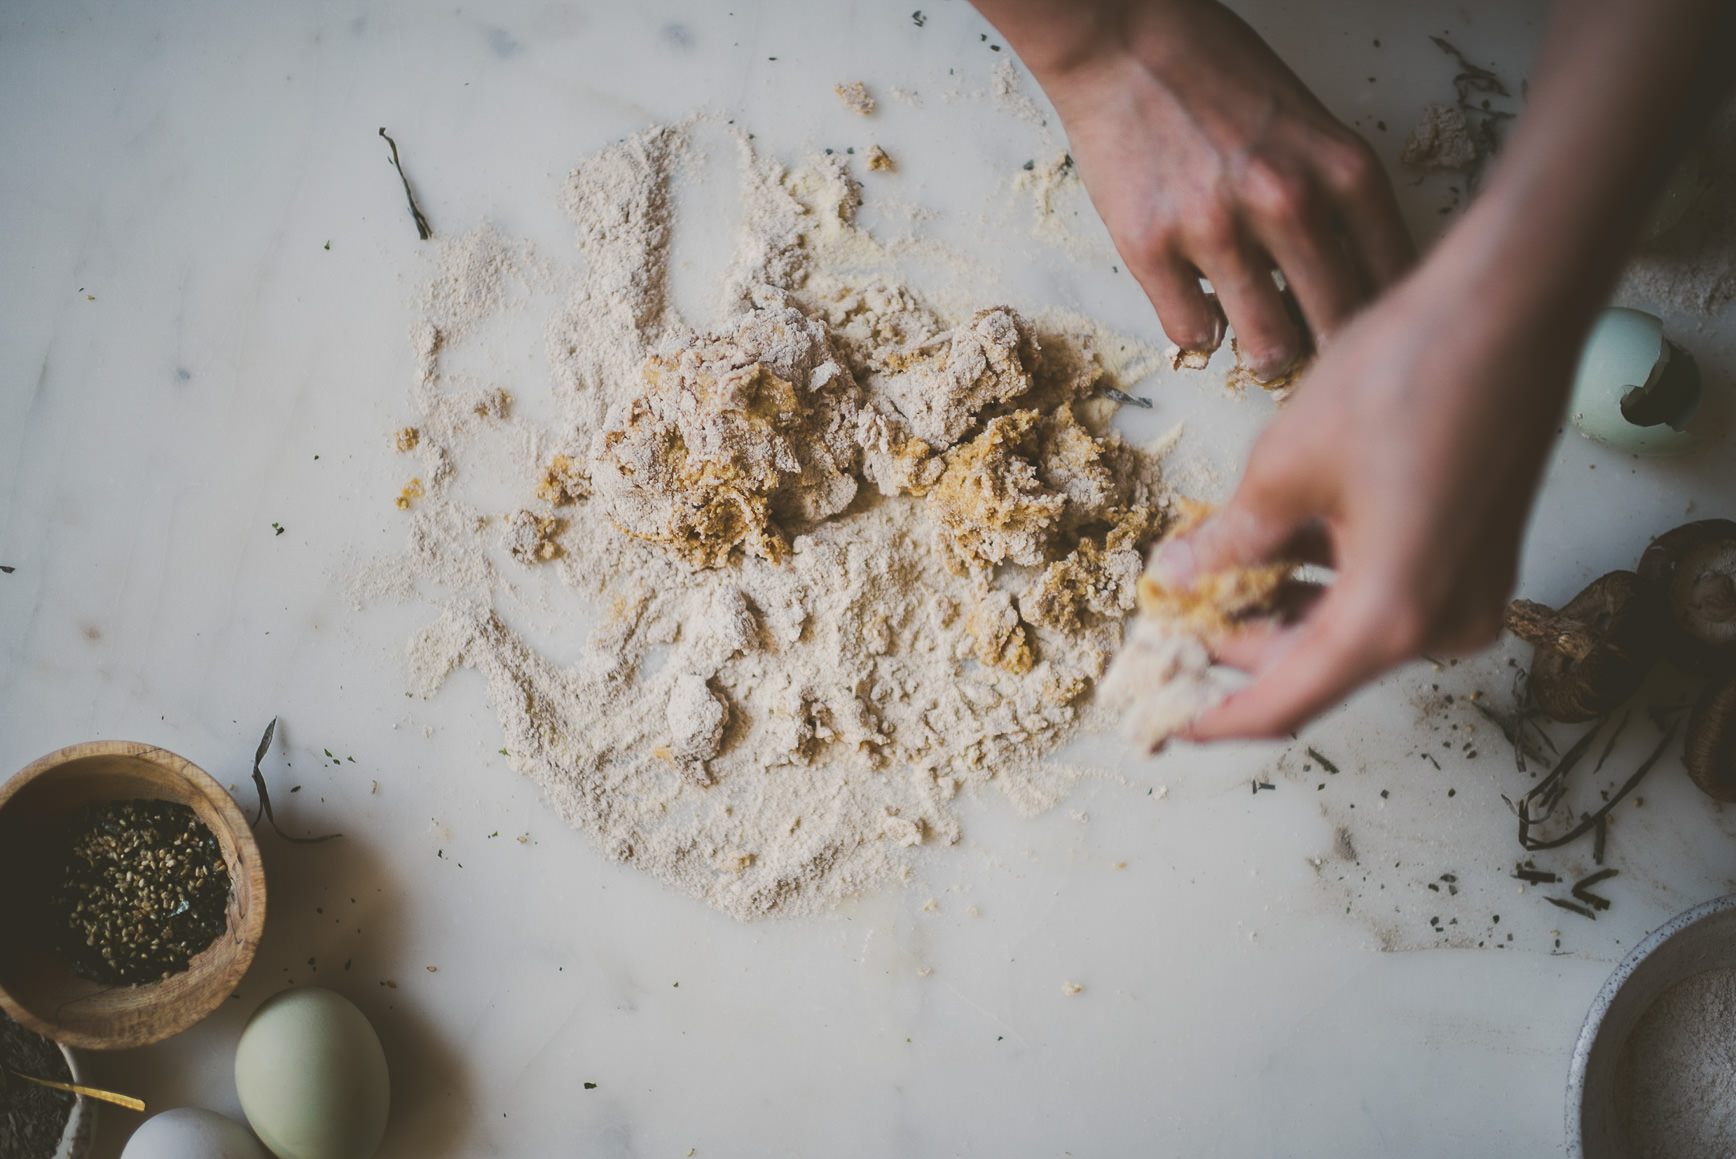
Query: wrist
[
  {"x": 1062, "y": 43},
  {"x": 1517, "y": 282}
]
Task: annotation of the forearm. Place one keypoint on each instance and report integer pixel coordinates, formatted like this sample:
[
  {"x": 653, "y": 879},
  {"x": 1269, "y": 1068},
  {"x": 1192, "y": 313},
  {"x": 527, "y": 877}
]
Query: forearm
[{"x": 1621, "y": 85}]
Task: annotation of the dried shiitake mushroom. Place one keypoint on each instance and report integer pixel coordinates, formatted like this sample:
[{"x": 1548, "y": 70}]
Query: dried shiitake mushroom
[
  {"x": 1710, "y": 752},
  {"x": 1593, "y": 653},
  {"x": 1693, "y": 570}
]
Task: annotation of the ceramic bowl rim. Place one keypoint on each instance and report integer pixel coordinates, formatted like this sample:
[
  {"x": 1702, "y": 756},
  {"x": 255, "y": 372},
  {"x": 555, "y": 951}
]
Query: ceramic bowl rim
[{"x": 1606, "y": 994}]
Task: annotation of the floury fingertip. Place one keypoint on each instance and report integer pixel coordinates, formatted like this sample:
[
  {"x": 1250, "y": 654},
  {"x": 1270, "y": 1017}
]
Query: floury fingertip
[{"x": 1172, "y": 563}]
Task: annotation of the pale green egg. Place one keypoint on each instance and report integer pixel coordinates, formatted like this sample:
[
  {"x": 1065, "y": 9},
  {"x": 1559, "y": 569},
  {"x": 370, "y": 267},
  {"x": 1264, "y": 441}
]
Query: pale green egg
[
  {"x": 1635, "y": 390},
  {"x": 312, "y": 1077}
]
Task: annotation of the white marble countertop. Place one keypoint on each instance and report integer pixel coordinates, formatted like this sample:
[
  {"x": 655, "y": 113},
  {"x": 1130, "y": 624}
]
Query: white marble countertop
[{"x": 209, "y": 268}]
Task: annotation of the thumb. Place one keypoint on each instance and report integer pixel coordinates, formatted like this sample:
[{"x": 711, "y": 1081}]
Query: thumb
[{"x": 1257, "y": 525}]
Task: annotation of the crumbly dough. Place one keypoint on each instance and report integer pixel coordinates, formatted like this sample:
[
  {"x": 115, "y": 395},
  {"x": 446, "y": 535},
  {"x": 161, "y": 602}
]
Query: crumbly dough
[
  {"x": 531, "y": 538},
  {"x": 1000, "y": 638},
  {"x": 1217, "y": 601},
  {"x": 743, "y": 436},
  {"x": 1095, "y": 578},
  {"x": 1164, "y": 677},
  {"x": 696, "y": 718},
  {"x": 879, "y": 161},
  {"x": 941, "y": 386},
  {"x": 563, "y": 481},
  {"x": 990, "y": 505},
  {"x": 856, "y": 97},
  {"x": 1441, "y": 140}
]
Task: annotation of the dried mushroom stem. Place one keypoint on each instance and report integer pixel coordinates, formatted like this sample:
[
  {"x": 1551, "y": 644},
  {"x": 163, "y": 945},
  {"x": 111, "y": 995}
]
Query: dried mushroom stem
[
  {"x": 1591, "y": 655},
  {"x": 1543, "y": 626},
  {"x": 1710, "y": 751}
]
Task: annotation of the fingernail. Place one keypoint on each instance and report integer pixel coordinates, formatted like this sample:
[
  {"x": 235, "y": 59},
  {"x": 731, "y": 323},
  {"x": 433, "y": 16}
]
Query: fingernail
[
  {"x": 1172, "y": 563},
  {"x": 1274, "y": 366}
]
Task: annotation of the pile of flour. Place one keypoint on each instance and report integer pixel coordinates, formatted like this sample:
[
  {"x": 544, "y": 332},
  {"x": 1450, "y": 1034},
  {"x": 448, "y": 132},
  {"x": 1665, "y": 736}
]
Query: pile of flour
[{"x": 851, "y": 556}]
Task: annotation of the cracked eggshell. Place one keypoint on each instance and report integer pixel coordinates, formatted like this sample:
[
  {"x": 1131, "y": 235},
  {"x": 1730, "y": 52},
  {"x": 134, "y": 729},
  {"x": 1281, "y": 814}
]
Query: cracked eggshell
[
  {"x": 1626, "y": 358},
  {"x": 312, "y": 1077}
]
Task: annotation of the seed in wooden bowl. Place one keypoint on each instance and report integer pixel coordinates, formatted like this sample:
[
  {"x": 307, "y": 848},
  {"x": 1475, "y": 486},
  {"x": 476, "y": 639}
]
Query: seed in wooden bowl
[{"x": 144, "y": 890}]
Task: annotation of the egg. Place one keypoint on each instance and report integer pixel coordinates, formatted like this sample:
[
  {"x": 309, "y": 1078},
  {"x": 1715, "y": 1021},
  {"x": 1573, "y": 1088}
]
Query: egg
[
  {"x": 192, "y": 1133},
  {"x": 312, "y": 1077},
  {"x": 1635, "y": 390}
]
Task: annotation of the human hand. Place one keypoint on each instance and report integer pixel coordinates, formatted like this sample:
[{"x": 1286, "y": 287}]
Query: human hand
[
  {"x": 1406, "y": 461},
  {"x": 1204, "y": 154}
]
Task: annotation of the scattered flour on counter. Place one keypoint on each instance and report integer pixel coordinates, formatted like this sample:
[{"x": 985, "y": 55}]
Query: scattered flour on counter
[
  {"x": 1010, "y": 95},
  {"x": 1676, "y": 1076},
  {"x": 849, "y": 555}
]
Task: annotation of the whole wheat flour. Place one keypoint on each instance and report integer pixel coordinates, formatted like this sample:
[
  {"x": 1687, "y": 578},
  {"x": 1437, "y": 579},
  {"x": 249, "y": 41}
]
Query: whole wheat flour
[
  {"x": 1676, "y": 1076},
  {"x": 850, "y": 557}
]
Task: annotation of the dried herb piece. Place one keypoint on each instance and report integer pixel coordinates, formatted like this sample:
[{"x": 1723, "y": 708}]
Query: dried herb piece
[
  {"x": 1582, "y": 889},
  {"x": 1473, "y": 85},
  {"x": 1610, "y": 744},
  {"x": 1537, "y": 805},
  {"x": 265, "y": 794},
  {"x": 1472, "y": 78},
  {"x": 1531, "y": 875},
  {"x": 143, "y": 889},
  {"x": 1522, "y": 732},
  {"x": 118, "y": 1100},
  {"x": 1593, "y": 820},
  {"x": 1321, "y": 761},
  {"x": 6, "y": 569},
  {"x": 1113, "y": 395},
  {"x": 1571, "y": 907},
  {"x": 422, "y": 230}
]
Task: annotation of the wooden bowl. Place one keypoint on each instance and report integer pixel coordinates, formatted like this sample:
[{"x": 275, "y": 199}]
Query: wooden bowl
[{"x": 37, "y": 986}]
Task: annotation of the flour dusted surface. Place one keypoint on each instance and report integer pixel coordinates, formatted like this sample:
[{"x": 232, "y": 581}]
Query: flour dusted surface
[{"x": 850, "y": 557}]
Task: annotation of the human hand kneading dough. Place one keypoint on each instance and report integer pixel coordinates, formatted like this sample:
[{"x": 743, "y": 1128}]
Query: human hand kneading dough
[{"x": 1410, "y": 455}]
